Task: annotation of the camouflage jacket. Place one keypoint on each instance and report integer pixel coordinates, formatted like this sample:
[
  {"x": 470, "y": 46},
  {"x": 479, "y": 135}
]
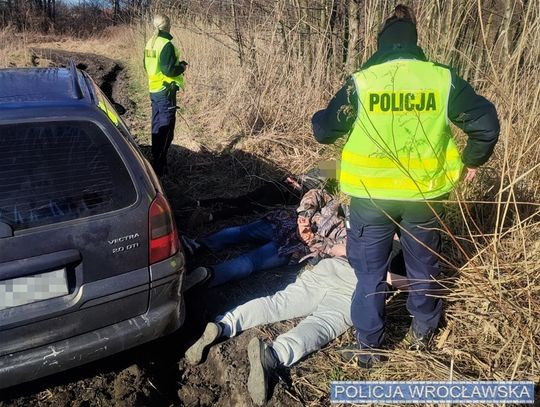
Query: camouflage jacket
[{"x": 327, "y": 219}]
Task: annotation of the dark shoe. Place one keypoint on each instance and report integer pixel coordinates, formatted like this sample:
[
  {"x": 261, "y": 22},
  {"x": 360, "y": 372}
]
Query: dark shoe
[
  {"x": 191, "y": 246},
  {"x": 364, "y": 358},
  {"x": 417, "y": 341},
  {"x": 211, "y": 333},
  {"x": 197, "y": 277},
  {"x": 199, "y": 217},
  {"x": 262, "y": 364}
]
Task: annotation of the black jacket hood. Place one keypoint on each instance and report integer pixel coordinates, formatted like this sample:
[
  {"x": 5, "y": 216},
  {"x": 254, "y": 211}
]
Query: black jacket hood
[
  {"x": 397, "y": 39},
  {"x": 397, "y": 34}
]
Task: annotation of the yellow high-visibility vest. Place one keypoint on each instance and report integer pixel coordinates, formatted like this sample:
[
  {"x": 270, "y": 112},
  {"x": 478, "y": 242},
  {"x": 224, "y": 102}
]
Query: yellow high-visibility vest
[
  {"x": 109, "y": 111},
  {"x": 156, "y": 78},
  {"x": 401, "y": 145}
]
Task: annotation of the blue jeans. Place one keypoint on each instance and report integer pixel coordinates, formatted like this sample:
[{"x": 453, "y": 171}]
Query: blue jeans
[{"x": 264, "y": 257}]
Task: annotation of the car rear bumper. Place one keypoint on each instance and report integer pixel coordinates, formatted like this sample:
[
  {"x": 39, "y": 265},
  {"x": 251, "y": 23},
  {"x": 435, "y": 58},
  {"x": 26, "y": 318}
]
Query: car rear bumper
[{"x": 165, "y": 314}]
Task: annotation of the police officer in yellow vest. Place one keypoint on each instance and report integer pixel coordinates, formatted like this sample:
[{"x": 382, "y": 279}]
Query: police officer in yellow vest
[
  {"x": 165, "y": 76},
  {"x": 399, "y": 162}
]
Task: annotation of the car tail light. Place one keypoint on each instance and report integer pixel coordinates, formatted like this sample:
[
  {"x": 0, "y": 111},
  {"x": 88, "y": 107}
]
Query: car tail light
[{"x": 163, "y": 236}]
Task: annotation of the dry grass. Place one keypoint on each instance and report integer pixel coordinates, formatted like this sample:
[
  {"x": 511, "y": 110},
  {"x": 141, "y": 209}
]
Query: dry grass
[
  {"x": 13, "y": 48},
  {"x": 492, "y": 255}
]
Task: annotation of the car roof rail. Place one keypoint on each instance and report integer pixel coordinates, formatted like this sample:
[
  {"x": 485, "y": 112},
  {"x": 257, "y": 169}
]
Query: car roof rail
[
  {"x": 89, "y": 87},
  {"x": 78, "y": 93}
]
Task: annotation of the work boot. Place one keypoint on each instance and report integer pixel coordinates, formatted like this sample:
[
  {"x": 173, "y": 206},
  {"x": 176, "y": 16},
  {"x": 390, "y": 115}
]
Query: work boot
[
  {"x": 196, "y": 277},
  {"x": 262, "y": 364},
  {"x": 414, "y": 340},
  {"x": 364, "y": 358},
  {"x": 211, "y": 333}
]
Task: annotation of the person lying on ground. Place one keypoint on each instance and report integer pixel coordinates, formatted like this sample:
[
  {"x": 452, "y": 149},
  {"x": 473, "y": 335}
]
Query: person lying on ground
[
  {"x": 285, "y": 192},
  {"x": 322, "y": 295},
  {"x": 315, "y": 230}
]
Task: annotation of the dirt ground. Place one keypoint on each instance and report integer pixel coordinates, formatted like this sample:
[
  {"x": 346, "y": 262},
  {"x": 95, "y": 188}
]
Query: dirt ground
[{"x": 156, "y": 374}]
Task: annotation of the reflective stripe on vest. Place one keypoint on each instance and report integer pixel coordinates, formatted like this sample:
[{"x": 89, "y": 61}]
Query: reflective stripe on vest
[
  {"x": 109, "y": 112},
  {"x": 401, "y": 145},
  {"x": 156, "y": 78}
]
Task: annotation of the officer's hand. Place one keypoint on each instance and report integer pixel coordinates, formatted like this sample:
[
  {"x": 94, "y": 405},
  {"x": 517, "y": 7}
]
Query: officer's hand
[
  {"x": 470, "y": 173},
  {"x": 182, "y": 65}
]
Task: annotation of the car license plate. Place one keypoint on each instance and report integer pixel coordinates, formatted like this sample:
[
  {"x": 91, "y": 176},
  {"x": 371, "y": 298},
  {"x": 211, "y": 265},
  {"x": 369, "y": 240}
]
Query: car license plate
[{"x": 28, "y": 289}]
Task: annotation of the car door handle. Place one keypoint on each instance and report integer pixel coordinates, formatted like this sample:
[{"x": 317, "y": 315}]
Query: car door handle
[{"x": 38, "y": 264}]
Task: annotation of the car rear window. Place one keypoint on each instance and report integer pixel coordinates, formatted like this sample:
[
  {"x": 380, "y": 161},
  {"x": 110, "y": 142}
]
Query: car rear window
[{"x": 57, "y": 171}]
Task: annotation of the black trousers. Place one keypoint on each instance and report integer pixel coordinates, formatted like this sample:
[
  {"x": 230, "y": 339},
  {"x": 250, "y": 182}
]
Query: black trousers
[
  {"x": 163, "y": 122},
  {"x": 373, "y": 224}
]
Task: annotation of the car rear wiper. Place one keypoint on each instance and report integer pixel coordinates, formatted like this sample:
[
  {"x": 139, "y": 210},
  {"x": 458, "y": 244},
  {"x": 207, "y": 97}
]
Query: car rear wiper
[{"x": 5, "y": 230}]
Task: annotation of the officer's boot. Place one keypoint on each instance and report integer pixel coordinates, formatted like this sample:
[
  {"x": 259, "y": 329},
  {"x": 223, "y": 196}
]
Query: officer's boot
[
  {"x": 364, "y": 358},
  {"x": 415, "y": 340}
]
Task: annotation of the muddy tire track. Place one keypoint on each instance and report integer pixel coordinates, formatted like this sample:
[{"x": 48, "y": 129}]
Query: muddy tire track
[{"x": 110, "y": 75}]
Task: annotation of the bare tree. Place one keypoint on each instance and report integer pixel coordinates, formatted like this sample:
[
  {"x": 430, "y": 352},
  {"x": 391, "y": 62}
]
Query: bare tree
[{"x": 353, "y": 24}]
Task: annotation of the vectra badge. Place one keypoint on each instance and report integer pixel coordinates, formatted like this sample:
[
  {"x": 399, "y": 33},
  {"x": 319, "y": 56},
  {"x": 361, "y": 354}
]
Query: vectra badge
[{"x": 123, "y": 239}]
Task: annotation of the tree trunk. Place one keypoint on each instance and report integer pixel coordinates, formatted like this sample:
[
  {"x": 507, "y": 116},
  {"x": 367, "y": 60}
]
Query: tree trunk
[
  {"x": 238, "y": 34},
  {"x": 351, "y": 62},
  {"x": 116, "y": 11},
  {"x": 508, "y": 14}
]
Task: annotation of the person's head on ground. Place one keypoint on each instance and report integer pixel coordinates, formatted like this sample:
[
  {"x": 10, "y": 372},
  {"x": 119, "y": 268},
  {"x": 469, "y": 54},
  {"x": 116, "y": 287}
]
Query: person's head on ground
[
  {"x": 399, "y": 30},
  {"x": 313, "y": 179},
  {"x": 323, "y": 176},
  {"x": 161, "y": 22}
]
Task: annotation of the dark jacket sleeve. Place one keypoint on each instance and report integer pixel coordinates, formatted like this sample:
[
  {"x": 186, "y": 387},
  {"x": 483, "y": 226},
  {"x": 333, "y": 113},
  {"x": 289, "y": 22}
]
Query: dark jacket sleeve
[
  {"x": 477, "y": 117},
  {"x": 169, "y": 65},
  {"x": 338, "y": 118}
]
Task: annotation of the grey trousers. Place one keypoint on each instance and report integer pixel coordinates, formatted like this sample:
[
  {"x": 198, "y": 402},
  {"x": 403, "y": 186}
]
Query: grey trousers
[{"x": 322, "y": 295}]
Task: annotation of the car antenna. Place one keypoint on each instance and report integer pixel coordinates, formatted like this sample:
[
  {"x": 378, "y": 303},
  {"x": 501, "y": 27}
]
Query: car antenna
[{"x": 75, "y": 79}]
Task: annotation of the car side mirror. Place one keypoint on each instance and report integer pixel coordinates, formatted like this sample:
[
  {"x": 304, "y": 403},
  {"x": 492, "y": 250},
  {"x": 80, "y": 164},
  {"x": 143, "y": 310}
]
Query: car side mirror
[{"x": 119, "y": 108}]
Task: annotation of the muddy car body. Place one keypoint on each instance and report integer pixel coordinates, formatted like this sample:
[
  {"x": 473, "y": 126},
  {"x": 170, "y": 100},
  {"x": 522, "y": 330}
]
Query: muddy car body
[{"x": 90, "y": 263}]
